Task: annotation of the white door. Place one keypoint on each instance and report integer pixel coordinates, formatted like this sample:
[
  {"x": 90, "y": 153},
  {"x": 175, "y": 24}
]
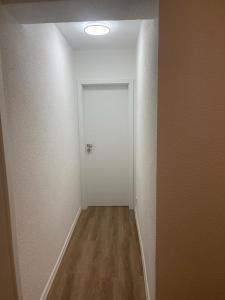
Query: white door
[{"x": 108, "y": 145}]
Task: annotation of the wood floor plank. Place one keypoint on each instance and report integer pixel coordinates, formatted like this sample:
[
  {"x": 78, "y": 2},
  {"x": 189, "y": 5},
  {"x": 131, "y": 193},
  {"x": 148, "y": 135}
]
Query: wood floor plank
[{"x": 103, "y": 259}]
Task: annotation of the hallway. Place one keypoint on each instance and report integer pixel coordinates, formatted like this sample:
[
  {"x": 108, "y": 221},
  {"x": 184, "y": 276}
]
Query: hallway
[
  {"x": 103, "y": 259},
  {"x": 117, "y": 106}
]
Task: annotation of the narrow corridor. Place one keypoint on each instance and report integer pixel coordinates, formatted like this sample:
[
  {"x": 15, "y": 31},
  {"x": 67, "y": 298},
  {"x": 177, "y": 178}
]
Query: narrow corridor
[{"x": 103, "y": 259}]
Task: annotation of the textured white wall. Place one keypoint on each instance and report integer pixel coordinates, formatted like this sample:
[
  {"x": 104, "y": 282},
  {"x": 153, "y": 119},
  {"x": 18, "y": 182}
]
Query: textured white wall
[
  {"x": 105, "y": 64},
  {"x": 41, "y": 119},
  {"x": 146, "y": 140}
]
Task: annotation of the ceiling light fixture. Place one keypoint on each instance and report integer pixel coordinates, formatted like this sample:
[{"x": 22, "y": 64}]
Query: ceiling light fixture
[{"x": 97, "y": 29}]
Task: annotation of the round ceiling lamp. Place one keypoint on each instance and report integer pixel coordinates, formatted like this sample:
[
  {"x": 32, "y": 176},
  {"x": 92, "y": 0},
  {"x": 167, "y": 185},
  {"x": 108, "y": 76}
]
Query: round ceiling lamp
[{"x": 97, "y": 29}]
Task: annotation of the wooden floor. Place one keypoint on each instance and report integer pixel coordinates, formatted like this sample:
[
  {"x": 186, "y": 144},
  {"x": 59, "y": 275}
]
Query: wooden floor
[{"x": 103, "y": 260}]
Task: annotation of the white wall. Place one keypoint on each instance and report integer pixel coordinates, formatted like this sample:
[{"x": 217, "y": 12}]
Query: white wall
[
  {"x": 146, "y": 140},
  {"x": 105, "y": 64},
  {"x": 42, "y": 146}
]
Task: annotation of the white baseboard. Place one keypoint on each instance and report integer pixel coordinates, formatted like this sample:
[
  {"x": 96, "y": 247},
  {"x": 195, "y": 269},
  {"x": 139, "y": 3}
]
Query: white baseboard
[
  {"x": 58, "y": 262},
  {"x": 142, "y": 255}
]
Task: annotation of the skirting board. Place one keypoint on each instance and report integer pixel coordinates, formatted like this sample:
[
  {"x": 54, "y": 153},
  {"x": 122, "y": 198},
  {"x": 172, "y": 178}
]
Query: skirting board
[
  {"x": 58, "y": 262},
  {"x": 142, "y": 255}
]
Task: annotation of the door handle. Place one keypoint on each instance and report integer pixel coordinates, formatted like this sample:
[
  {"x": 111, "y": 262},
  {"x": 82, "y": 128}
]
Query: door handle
[{"x": 89, "y": 148}]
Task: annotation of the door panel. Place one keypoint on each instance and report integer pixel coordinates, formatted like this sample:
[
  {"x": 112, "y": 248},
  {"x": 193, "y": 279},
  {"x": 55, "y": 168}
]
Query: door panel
[{"x": 109, "y": 165}]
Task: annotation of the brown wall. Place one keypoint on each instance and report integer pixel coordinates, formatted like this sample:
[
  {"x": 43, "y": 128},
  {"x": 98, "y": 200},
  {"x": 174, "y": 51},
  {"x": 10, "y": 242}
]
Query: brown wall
[{"x": 191, "y": 151}]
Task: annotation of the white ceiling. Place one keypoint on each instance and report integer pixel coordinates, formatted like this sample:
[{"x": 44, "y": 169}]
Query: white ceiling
[{"x": 123, "y": 34}]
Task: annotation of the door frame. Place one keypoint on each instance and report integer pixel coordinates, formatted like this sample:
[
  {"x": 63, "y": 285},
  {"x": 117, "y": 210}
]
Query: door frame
[
  {"x": 80, "y": 86},
  {"x": 7, "y": 254}
]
